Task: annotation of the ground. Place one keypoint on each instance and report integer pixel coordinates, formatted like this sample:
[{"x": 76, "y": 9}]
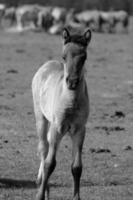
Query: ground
[{"x": 108, "y": 148}]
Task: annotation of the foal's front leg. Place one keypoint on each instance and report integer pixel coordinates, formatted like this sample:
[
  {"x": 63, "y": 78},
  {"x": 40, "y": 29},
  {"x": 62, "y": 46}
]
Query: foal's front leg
[
  {"x": 77, "y": 144},
  {"x": 49, "y": 163},
  {"x": 42, "y": 127}
]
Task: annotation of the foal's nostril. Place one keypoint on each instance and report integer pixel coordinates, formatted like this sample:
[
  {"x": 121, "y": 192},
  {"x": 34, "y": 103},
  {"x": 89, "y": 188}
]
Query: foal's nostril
[{"x": 72, "y": 83}]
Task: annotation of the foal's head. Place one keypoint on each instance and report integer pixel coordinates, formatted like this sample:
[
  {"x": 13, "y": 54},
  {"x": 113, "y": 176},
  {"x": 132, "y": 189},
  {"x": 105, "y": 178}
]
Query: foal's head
[{"x": 74, "y": 56}]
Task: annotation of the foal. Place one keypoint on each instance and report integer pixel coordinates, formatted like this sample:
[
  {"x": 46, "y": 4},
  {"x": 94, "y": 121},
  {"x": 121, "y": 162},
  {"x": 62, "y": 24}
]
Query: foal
[{"x": 61, "y": 106}]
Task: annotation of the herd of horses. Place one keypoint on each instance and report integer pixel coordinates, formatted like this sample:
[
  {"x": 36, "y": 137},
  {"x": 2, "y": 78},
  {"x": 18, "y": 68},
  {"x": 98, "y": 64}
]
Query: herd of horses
[{"x": 52, "y": 19}]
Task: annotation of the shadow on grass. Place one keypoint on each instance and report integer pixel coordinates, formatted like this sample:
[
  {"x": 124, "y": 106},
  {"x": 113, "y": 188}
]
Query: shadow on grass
[
  {"x": 12, "y": 183},
  {"x": 7, "y": 183}
]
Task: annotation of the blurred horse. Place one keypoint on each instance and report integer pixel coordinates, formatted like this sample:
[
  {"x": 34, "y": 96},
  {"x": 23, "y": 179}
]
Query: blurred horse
[
  {"x": 45, "y": 18},
  {"x": 112, "y": 18},
  {"x": 59, "y": 14},
  {"x": 61, "y": 106},
  {"x": 2, "y": 12},
  {"x": 121, "y": 17},
  {"x": 89, "y": 18},
  {"x": 106, "y": 22},
  {"x": 69, "y": 21},
  {"x": 56, "y": 29},
  {"x": 72, "y": 22},
  {"x": 10, "y": 15},
  {"x": 27, "y": 15}
]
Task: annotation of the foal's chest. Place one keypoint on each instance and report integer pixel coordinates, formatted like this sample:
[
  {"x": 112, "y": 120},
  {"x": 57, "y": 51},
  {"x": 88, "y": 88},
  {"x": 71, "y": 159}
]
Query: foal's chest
[{"x": 71, "y": 112}]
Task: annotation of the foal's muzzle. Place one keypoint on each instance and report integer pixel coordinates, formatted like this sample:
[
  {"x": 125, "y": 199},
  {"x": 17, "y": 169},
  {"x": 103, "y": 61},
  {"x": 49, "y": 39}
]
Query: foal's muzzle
[{"x": 72, "y": 83}]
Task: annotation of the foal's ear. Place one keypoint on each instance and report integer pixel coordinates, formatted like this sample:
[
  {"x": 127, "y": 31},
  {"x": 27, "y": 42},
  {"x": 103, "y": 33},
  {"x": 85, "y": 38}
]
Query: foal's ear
[
  {"x": 87, "y": 36},
  {"x": 65, "y": 35}
]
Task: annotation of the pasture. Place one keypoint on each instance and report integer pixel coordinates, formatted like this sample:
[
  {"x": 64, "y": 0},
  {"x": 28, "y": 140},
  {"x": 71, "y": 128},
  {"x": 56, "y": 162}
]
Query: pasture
[{"x": 108, "y": 148}]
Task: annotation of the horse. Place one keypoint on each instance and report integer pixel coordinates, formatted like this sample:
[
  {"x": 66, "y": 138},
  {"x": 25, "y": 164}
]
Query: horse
[
  {"x": 112, "y": 18},
  {"x": 106, "y": 21},
  {"x": 27, "y": 14},
  {"x": 69, "y": 20},
  {"x": 89, "y": 18},
  {"x": 61, "y": 106},
  {"x": 70, "y": 16},
  {"x": 59, "y": 14},
  {"x": 45, "y": 18},
  {"x": 10, "y": 14},
  {"x": 72, "y": 23},
  {"x": 122, "y": 17},
  {"x": 56, "y": 29},
  {"x": 2, "y": 12}
]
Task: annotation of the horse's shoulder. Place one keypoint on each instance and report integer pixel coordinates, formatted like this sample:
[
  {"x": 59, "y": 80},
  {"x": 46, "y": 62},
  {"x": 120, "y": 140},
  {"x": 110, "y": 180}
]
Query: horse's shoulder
[
  {"x": 53, "y": 66},
  {"x": 50, "y": 67}
]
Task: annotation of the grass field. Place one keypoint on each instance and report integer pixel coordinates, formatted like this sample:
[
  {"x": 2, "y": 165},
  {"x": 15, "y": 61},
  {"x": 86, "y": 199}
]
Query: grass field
[{"x": 108, "y": 148}]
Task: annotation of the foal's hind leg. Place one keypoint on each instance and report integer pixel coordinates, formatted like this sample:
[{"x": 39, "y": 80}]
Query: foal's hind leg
[
  {"x": 77, "y": 143},
  {"x": 50, "y": 161}
]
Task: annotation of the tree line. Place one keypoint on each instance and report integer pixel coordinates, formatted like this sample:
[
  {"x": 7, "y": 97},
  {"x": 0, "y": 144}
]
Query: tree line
[{"x": 79, "y": 5}]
